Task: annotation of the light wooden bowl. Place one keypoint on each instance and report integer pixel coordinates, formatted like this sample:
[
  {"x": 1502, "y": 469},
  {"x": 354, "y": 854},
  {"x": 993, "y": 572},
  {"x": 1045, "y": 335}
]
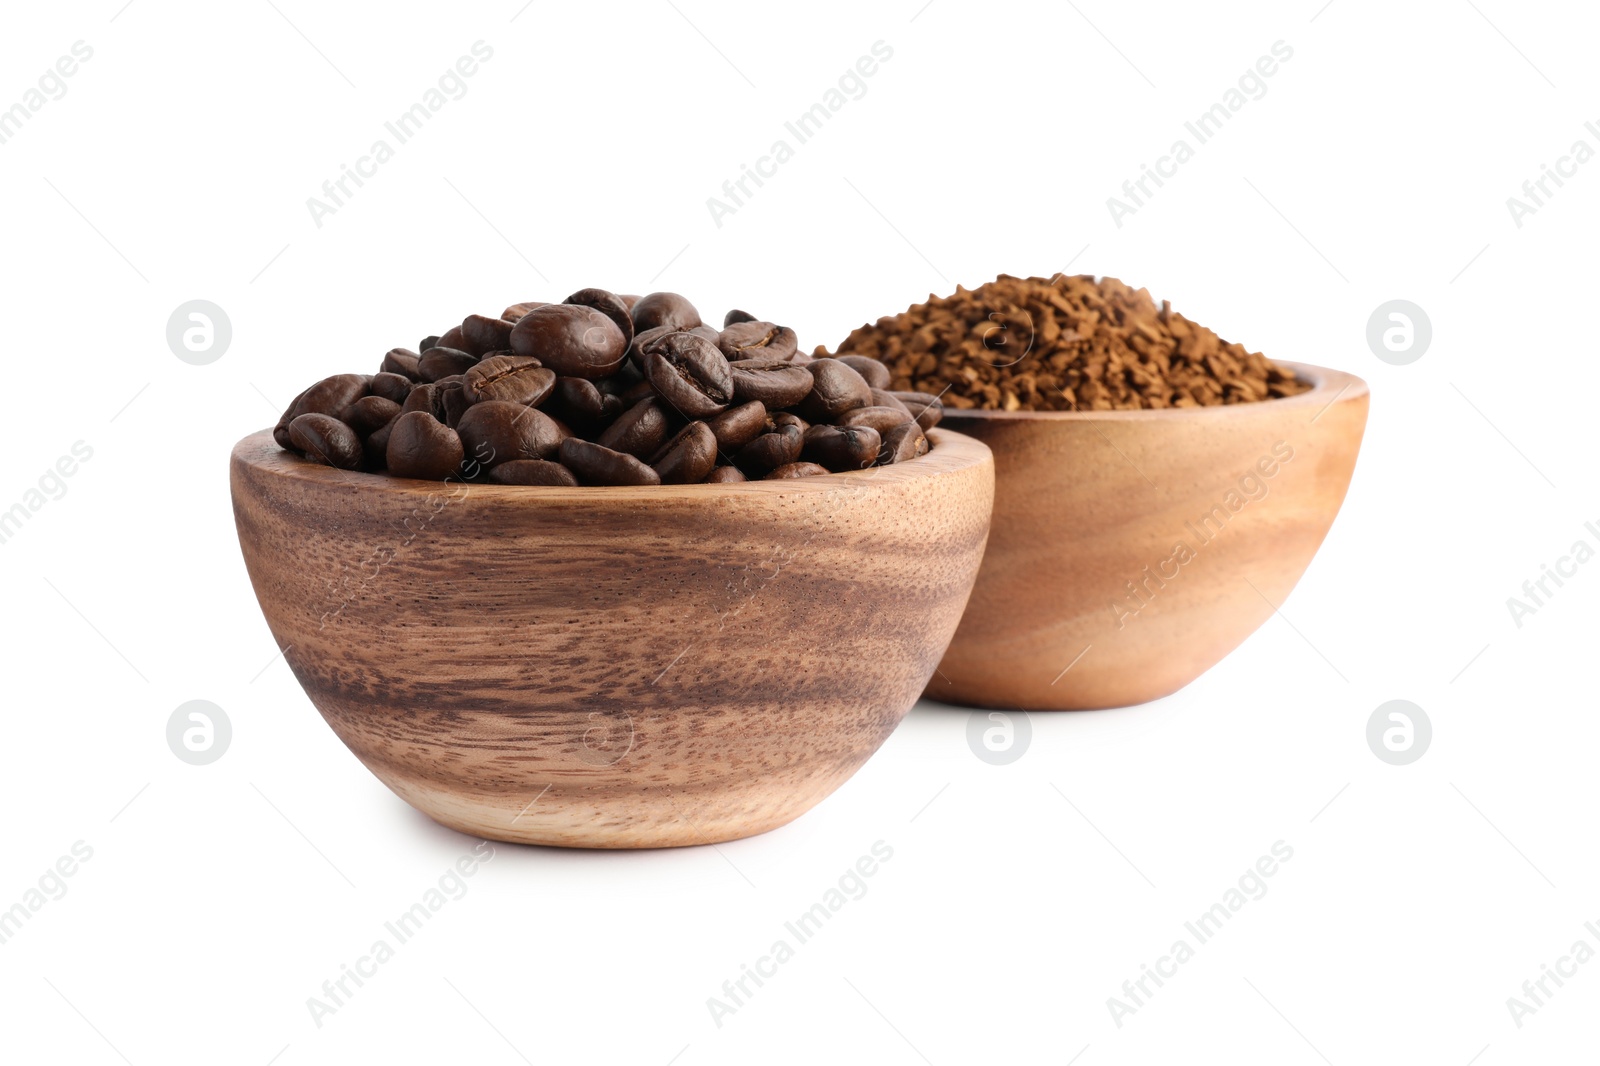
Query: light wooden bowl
[
  {"x": 613, "y": 667},
  {"x": 1086, "y": 501}
]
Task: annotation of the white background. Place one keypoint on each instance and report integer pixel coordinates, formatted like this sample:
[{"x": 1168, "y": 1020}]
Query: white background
[{"x": 1019, "y": 898}]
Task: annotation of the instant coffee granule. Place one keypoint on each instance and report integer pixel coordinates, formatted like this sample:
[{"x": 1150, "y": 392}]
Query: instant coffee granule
[{"x": 1064, "y": 344}]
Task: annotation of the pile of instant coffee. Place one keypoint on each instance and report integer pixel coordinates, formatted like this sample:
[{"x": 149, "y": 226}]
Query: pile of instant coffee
[
  {"x": 604, "y": 389},
  {"x": 1064, "y": 344}
]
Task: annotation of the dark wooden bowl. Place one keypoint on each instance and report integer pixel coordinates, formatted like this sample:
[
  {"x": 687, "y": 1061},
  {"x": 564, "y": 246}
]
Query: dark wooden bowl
[{"x": 613, "y": 667}]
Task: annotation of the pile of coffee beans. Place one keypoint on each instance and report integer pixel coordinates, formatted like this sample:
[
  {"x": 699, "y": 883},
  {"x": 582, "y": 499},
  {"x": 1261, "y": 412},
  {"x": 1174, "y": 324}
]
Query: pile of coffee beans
[
  {"x": 1064, "y": 344},
  {"x": 603, "y": 389}
]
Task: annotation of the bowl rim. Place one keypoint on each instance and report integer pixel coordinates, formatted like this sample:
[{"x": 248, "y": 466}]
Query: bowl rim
[
  {"x": 951, "y": 452},
  {"x": 1324, "y": 380}
]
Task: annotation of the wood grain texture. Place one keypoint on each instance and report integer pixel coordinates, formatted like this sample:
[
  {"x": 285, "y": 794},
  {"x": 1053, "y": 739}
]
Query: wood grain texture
[
  {"x": 613, "y": 667},
  {"x": 1088, "y": 502}
]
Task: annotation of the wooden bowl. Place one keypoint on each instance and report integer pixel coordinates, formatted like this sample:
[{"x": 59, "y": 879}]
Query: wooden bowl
[
  {"x": 613, "y": 667},
  {"x": 1085, "y": 600}
]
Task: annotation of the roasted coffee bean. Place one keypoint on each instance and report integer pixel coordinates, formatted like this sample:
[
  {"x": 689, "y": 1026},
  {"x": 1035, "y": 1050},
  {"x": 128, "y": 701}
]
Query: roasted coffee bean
[
  {"x": 571, "y": 339},
  {"x": 427, "y": 342},
  {"x": 757, "y": 340},
  {"x": 626, "y": 377},
  {"x": 643, "y": 390},
  {"x": 330, "y": 396},
  {"x": 642, "y": 340},
  {"x": 420, "y": 399},
  {"x": 690, "y": 374},
  {"x": 369, "y": 413},
  {"x": 439, "y": 363},
  {"x": 280, "y": 432},
  {"x": 924, "y": 407},
  {"x": 793, "y": 470},
  {"x": 531, "y": 472},
  {"x": 394, "y": 387},
  {"x": 725, "y": 475},
  {"x": 875, "y": 373},
  {"x": 481, "y": 334},
  {"x": 333, "y": 394},
  {"x": 608, "y": 304},
  {"x": 777, "y": 383},
  {"x": 324, "y": 439},
  {"x": 770, "y": 450},
  {"x": 515, "y": 312},
  {"x": 401, "y": 361},
  {"x": 450, "y": 338},
  {"x": 841, "y": 447},
  {"x": 578, "y": 400},
  {"x": 597, "y": 465},
  {"x": 498, "y": 431},
  {"x": 450, "y": 401},
  {"x": 688, "y": 457},
  {"x": 509, "y": 377},
  {"x": 738, "y": 426},
  {"x": 882, "y": 419},
  {"x": 420, "y": 446},
  {"x": 736, "y": 316},
  {"x": 903, "y": 442},
  {"x": 376, "y": 447},
  {"x": 664, "y": 309},
  {"x": 836, "y": 388},
  {"x": 640, "y": 430},
  {"x": 885, "y": 398}
]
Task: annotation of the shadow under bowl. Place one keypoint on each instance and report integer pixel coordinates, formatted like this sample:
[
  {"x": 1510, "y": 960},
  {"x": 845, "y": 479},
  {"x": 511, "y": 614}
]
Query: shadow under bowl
[
  {"x": 613, "y": 667},
  {"x": 1131, "y": 550}
]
